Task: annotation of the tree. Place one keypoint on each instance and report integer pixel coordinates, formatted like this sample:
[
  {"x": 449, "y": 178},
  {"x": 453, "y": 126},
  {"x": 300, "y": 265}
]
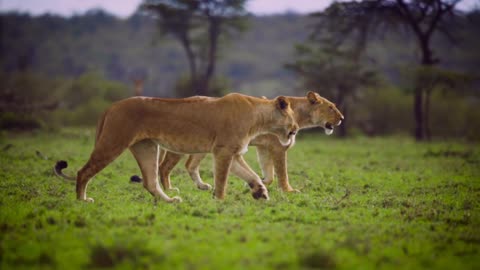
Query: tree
[
  {"x": 430, "y": 78},
  {"x": 332, "y": 71},
  {"x": 423, "y": 18},
  {"x": 189, "y": 22},
  {"x": 331, "y": 65}
]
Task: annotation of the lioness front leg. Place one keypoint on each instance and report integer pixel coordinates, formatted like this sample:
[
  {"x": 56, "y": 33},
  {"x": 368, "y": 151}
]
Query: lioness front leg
[
  {"x": 193, "y": 168},
  {"x": 222, "y": 161},
  {"x": 241, "y": 169},
  {"x": 165, "y": 168},
  {"x": 266, "y": 164},
  {"x": 280, "y": 163},
  {"x": 146, "y": 153}
]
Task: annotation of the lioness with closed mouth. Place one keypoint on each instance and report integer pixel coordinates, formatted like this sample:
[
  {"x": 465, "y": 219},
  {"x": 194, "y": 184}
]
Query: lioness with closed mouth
[
  {"x": 222, "y": 126},
  {"x": 310, "y": 111}
]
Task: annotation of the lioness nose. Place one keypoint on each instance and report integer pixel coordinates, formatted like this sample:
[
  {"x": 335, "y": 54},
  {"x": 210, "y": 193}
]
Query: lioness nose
[{"x": 293, "y": 130}]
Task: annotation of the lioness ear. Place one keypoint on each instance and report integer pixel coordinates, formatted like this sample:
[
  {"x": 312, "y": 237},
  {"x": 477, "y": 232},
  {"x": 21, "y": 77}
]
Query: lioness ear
[
  {"x": 312, "y": 97},
  {"x": 263, "y": 97},
  {"x": 281, "y": 103}
]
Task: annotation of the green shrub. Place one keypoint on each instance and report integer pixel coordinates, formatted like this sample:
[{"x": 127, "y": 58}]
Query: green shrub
[
  {"x": 382, "y": 112},
  {"x": 33, "y": 101},
  {"x": 218, "y": 87},
  {"x": 455, "y": 116},
  {"x": 13, "y": 121}
]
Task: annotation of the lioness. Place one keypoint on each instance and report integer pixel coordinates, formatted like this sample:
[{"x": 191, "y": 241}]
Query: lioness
[
  {"x": 222, "y": 126},
  {"x": 310, "y": 111}
]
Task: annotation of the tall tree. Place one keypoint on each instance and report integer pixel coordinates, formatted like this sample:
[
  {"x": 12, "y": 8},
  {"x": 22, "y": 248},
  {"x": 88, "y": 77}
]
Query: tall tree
[
  {"x": 423, "y": 18},
  {"x": 430, "y": 78},
  {"x": 330, "y": 64},
  {"x": 198, "y": 25},
  {"x": 335, "y": 72}
]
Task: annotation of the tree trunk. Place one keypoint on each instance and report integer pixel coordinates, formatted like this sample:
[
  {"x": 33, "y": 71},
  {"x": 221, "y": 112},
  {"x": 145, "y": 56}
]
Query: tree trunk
[
  {"x": 427, "y": 60},
  {"x": 343, "y": 107},
  {"x": 428, "y": 133},
  {"x": 343, "y": 126},
  {"x": 213, "y": 34},
  {"x": 418, "y": 113},
  {"x": 191, "y": 63}
]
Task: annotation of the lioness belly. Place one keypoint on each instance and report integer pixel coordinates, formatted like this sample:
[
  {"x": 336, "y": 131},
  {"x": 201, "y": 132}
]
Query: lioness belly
[
  {"x": 199, "y": 141},
  {"x": 183, "y": 147}
]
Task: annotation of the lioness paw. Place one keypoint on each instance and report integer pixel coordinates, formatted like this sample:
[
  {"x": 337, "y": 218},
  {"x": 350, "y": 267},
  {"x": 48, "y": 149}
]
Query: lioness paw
[
  {"x": 175, "y": 199},
  {"x": 265, "y": 197},
  {"x": 267, "y": 181},
  {"x": 174, "y": 189},
  {"x": 261, "y": 193},
  {"x": 89, "y": 200},
  {"x": 291, "y": 190},
  {"x": 204, "y": 186}
]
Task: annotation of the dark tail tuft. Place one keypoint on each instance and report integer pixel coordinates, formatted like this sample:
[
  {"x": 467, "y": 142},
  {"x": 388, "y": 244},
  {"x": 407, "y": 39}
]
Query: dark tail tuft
[
  {"x": 59, "y": 166},
  {"x": 135, "y": 179}
]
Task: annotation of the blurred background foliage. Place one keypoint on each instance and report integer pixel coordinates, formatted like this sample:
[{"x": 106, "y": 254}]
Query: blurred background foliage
[{"x": 57, "y": 71}]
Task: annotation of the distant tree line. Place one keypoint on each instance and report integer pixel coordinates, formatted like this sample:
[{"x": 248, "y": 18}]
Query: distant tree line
[
  {"x": 342, "y": 33},
  {"x": 392, "y": 66}
]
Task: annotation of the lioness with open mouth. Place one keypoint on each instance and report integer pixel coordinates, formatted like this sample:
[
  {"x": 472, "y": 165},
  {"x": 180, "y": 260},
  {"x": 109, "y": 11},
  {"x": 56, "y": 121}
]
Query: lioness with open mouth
[
  {"x": 310, "y": 111},
  {"x": 222, "y": 126}
]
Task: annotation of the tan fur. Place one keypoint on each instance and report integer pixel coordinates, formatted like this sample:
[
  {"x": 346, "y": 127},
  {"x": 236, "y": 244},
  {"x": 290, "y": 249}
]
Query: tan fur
[
  {"x": 310, "y": 111},
  {"x": 220, "y": 126}
]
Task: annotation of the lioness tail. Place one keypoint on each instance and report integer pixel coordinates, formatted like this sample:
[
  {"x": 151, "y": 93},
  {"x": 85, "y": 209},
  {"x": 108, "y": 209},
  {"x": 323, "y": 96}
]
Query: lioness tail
[{"x": 62, "y": 164}]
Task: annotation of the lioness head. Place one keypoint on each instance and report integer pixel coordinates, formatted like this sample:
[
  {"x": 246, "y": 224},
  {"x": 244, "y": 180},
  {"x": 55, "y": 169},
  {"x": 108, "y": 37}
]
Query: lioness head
[
  {"x": 324, "y": 113},
  {"x": 285, "y": 127}
]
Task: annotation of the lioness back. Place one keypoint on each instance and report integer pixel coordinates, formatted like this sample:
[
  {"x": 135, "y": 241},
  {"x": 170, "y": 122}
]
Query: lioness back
[{"x": 180, "y": 125}]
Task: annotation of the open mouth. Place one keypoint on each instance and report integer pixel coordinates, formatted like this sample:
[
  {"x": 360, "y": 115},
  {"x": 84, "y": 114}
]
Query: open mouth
[
  {"x": 328, "y": 128},
  {"x": 291, "y": 139}
]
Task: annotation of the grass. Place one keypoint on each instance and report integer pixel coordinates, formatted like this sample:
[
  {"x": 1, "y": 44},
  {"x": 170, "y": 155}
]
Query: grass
[{"x": 365, "y": 203}]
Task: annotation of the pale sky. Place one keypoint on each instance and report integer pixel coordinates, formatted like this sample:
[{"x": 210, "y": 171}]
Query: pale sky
[{"x": 124, "y": 8}]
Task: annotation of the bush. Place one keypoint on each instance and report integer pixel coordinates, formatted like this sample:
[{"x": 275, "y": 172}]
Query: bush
[
  {"x": 93, "y": 86},
  {"x": 382, "y": 112},
  {"x": 88, "y": 114},
  {"x": 455, "y": 116},
  {"x": 13, "y": 121},
  {"x": 86, "y": 98},
  {"x": 184, "y": 88},
  {"x": 33, "y": 101}
]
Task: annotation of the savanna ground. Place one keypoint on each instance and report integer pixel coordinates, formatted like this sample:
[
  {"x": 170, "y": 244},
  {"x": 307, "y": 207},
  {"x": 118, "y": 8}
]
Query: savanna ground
[{"x": 364, "y": 204}]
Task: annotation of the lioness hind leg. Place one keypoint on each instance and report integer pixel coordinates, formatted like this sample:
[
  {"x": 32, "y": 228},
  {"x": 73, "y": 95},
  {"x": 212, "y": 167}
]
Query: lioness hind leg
[
  {"x": 99, "y": 159},
  {"x": 193, "y": 166},
  {"x": 241, "y": 169},
  {"x": 165, "y": 168},
  {"x": 146, "y": 153},
  {"x": 266, "y": 163}
]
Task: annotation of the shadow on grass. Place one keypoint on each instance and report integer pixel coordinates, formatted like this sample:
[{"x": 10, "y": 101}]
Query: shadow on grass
[
  {"x": 43, "y": 259},
  {"x": 108, "y": 257},
  {"x": 317, "y": 260}
]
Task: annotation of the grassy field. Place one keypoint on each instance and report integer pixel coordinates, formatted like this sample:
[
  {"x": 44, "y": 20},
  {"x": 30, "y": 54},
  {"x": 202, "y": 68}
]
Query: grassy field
[{"x": 365, "y": 203}]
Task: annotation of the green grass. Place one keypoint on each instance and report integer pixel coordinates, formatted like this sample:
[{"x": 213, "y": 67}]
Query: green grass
[{"x": 365, "y": 203}]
